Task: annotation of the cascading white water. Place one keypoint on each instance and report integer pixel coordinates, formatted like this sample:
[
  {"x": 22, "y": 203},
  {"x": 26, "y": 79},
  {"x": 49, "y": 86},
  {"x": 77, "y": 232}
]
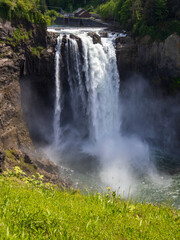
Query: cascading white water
[
  {"x": 93, "y": 118},
  {"x": 57, "y": 111},
  {"x": 77, "y": 89},
  {"x": 102, "y": 83},
  {"x": 94, "y": 85},
  {"x": 87, "y": 121}
]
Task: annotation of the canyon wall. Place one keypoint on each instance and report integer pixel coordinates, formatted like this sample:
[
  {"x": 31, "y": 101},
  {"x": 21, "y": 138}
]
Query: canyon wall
[
  {"x": 26, "y": 77},
  {"x": 26, "y": 90},
  {"x": 157, "y": 61},
  {"x": 27, "y": 84}
]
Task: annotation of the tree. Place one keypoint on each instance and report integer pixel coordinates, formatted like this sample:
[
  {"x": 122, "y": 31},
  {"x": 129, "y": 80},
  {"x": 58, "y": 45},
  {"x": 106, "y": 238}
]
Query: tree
[
  {"x": 42, "y": 6},
  {"x": 173, "y": 7}
]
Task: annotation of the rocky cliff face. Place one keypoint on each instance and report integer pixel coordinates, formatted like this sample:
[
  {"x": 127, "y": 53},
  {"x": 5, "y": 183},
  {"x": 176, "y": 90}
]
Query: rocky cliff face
[
  {"x": 158, "y": 61},
  {"x": 26, "y": 97},
  {"x": 25, "y": 75},
  {"x": 37, "y": 89},
  {"x": 13, "y": 131},
  {"x": 150, "y": 84}
]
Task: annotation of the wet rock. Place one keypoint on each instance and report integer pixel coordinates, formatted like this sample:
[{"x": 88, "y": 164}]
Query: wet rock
[
  {"x": 154, "y": 60},
  {"x": 78, "y": 40},
  {"x": 74, "y": 37},
  {"x": 96, "y": 38},
  {"x": 104, "y": 34},
  {"x": 27, "y": 159},
  {"x": 126, "y": 51}
]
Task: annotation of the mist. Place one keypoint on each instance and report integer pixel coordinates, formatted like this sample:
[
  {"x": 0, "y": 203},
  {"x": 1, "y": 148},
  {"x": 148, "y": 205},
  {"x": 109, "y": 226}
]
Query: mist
[
  {"x": 147, "y": 113},
  {"x": 109, "y": 137},
  {"x": 148, "y": 126}
]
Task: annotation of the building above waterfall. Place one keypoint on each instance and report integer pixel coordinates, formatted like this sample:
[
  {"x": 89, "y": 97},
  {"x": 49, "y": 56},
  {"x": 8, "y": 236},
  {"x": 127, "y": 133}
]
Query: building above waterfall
[{"x": 82, "y": 13}]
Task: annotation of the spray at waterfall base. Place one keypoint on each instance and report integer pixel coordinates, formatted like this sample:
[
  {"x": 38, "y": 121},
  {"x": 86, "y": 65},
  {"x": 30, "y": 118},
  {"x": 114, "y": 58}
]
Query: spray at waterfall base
[{"x": 88, "y": 115}]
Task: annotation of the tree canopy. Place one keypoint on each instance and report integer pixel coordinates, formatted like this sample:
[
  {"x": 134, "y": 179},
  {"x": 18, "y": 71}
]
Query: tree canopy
[{"x": 157, "y": 18}]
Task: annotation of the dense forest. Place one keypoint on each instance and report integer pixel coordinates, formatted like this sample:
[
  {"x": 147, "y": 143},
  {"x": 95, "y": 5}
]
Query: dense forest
[{"x": 157, "y": 18}]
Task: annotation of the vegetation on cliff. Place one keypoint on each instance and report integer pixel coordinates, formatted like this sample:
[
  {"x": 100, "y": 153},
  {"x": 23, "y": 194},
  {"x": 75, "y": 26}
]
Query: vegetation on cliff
[
  {"x": 157, "y": 18},
  {"x": 32, "y": 209},
  {"x": 21, "y": 11}
]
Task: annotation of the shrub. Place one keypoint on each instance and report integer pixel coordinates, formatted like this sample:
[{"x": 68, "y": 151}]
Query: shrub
[
  {"x": 36, "y": 51},
  {"x": 51, "y": 16},
  {"x": 157, "y": 18},
  {"x": 21, "y": 10}
]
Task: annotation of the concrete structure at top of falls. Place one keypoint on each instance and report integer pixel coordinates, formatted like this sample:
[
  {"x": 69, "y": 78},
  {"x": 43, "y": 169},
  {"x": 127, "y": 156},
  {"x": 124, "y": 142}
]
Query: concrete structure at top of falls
[{"x": 93, "y": 86}]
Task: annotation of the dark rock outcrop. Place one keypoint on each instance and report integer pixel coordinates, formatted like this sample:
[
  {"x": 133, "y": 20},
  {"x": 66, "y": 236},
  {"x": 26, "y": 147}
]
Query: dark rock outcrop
[
  {"x": 126, "y": 51},
  {"x": 32, "y": 163},
  {"x": 96, "y": 38},
  {"x": 37, "y": 90},
  {"x": 104, "y": 34},
  {"x": 151, "y": 105},
  {"x": 26, "y": 85},
  {"x": 13, "y": 130},
  {"x": 158, "y": 61}
]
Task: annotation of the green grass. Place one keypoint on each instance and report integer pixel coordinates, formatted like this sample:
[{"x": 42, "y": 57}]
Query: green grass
[{"x": 31, "y": 209}]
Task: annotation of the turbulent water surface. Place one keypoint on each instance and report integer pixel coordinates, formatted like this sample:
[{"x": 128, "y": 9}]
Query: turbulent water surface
[{"x": 88, "y": 136}]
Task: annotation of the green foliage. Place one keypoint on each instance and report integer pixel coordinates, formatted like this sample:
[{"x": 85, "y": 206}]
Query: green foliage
[
  {"x": 107, "y": 10},
  {"x": 125, "y": 13},
  {"x": 141, "y": 16},
  {"x": 42, "y": 6},
  {"x": 74, "y": 4},
  {"x": 13, "y": 158},
  {"x": 36, "y": 51},
  {"x": 51, "y": 16},
  {"x": 34, "y": 180},
  {"x": 19, "y": 35},
  {"x": 155, "y": 10},
  {"x": 21, "y": 10},
  {"x": 157, "y": 18},
  {"x": 31, "y": 209},
  {"x": 157, "y": 32}
]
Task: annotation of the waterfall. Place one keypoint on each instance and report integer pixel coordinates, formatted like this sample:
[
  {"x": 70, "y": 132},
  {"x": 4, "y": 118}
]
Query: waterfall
[
  {"x": 87, "y": 119},
  {"x": 57, "y": 111},
  {"x": 93, "y": 81},
  {"x": 102, "y": 83},
  {"x": 88, "y": 136}
]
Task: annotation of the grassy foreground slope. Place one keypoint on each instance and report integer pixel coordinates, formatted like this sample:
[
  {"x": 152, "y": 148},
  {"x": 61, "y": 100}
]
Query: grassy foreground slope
[{"x": 31, "y": 209}]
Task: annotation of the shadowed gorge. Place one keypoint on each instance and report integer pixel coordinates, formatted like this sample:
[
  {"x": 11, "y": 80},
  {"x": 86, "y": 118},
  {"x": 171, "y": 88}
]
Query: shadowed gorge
[{"x": 105, "y": 133}]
